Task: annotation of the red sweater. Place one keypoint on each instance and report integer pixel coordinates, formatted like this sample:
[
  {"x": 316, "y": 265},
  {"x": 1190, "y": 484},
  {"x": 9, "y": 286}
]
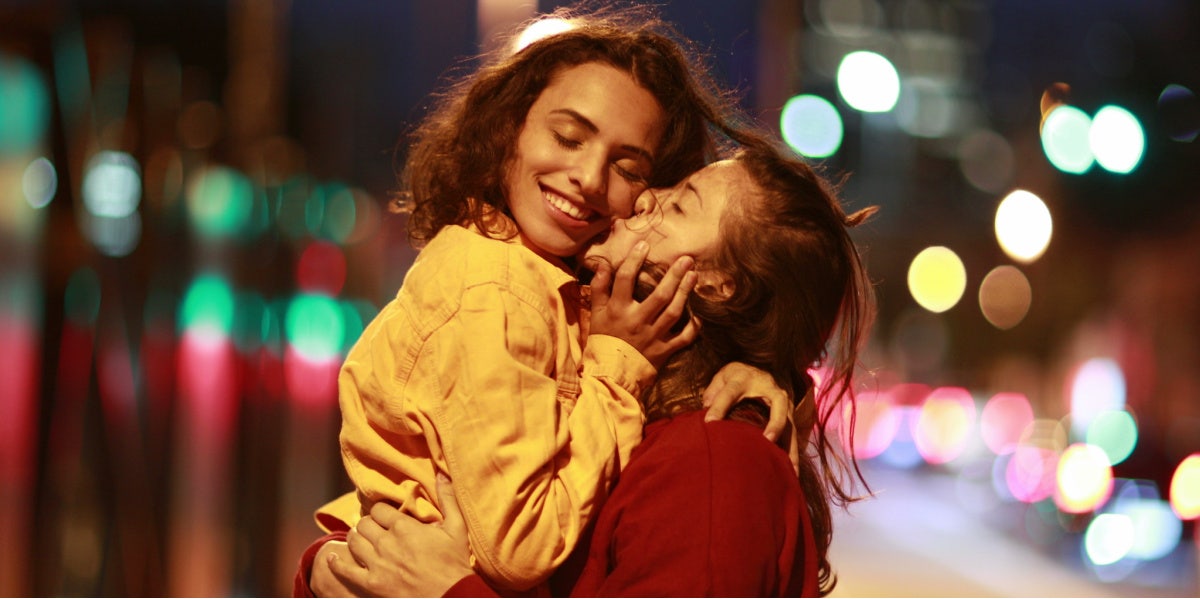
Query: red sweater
[{"x": 702, "y": 509}]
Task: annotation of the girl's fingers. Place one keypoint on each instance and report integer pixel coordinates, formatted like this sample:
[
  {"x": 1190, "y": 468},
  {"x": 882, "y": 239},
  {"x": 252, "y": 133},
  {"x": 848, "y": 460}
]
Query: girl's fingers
[
  {"x": 668, "y": 289},
  {"x": 627, "y": 273},
  {"x": 601, "y": 284},
  {"x": 362, "y": 547},
  {"x": 678, "y": 300}
]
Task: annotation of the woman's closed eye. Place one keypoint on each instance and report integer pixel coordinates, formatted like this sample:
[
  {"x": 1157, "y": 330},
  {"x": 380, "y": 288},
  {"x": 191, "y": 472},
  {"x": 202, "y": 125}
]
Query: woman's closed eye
[
  {"x": 628, "y": 174},
  {"x": 567, "y": 142}
]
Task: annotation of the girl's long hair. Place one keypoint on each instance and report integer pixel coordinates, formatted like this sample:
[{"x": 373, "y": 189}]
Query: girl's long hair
[{"x": 801, "y": 299}]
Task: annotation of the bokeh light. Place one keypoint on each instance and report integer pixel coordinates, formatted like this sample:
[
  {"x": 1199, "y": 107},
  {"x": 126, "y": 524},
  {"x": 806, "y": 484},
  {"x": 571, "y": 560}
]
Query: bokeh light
[
  {"x": 937, "y": 278},
  {"x": 1115, "y": 432},
  {"x": 315, "y": 327},
  {"x": 868, "y": 82},
  {"x": 1156, "y": 529},
  {"x": 1066, "y": 139},
  {"x": 25, "y": 109},
  {"x": 208, "y": 304},
  {"x": 115, "y": 237},
  {"x": 927, "y": 107},
  {"x": 1179, "y": 111},
  {"x": 1030, "y": 474},
  {"x": 1084, "y": 479},
  {"x": 1108, "y": 539},
  {"x": 541, "y": 29},
  {"x": 321, "y": 268},
  {"x": 219, "y": 201},
  {"x": 1096, "y": 386},
  {"x": 1023, "y": 226},
  {"x": 39, "y": 182},
  {"x": 1117, "y": 139},
  {"x": 875, "y": 424},
  {"x": 112, "y": 184},
  {"x": 1002, "y": 421},
  {"x": 811, "y": 126},
  {"x": 986, "y": 160},
  {"x": 1005, "y": 296},
  {"x": 1185, "y": 488},
  {"x": 944, "y": 424}
]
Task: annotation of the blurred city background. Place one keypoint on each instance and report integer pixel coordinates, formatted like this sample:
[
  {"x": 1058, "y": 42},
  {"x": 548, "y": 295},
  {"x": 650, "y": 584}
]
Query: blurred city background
[{"x": 193, "y": 233}]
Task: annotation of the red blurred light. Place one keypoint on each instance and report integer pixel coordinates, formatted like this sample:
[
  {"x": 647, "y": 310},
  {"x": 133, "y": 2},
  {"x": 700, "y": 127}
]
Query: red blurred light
[{"x": 321, "y": 269}]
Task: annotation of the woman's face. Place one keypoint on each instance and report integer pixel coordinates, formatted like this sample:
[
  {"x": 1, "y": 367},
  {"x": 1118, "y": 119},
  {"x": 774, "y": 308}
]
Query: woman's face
[
  {"x": 681, "y": 220},
  {"x": 582, "y": 157}
]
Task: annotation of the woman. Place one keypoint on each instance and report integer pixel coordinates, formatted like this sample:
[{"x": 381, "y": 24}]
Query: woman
[
  {"x": 702, "y": 509},
  {"x": 477, "y": 368}
]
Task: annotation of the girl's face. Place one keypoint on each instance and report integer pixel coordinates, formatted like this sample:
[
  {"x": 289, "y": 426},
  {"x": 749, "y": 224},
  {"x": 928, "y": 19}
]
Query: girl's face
[
  {"x": 583, "y": 155},
  {"x": 681, "y": 220}
]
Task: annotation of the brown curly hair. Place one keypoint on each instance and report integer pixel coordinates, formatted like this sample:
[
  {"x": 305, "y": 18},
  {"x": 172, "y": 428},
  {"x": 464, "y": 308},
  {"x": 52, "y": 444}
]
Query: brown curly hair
[{"x": 456, "y": 164}]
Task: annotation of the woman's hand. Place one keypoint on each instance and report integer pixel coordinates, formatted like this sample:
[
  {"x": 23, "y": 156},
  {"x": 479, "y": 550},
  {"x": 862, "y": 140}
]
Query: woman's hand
[
  {"x": 646, "y": 325},
  {"x": 395, "y": 555},
  {"x": 322, "y": 580},
  {"x": 737, "y": 381}
]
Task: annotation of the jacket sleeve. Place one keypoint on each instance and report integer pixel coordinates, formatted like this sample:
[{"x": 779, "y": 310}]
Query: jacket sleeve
[
  {"x": 530, "y": 457},
  {"x": 471, "y": 586},
  {"x": 300, "y": 585}
]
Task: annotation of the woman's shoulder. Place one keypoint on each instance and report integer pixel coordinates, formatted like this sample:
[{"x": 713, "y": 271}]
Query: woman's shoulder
[
  {"x": 461, "y": 263},
  {"x": 721, "y": 448}
]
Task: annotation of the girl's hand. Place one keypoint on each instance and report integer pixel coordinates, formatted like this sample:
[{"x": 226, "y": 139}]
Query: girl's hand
[
  {"x": 646, "y": 325},
  {"x": 395, "y": 555},
  {"x": 737, "y": 381}
]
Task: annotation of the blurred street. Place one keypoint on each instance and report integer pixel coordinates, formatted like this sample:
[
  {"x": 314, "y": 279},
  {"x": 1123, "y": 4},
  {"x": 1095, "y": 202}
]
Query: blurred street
[{"x": 915, "y": 539}]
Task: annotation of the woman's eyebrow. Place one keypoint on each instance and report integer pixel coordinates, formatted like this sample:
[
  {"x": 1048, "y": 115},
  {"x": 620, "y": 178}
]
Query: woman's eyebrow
[{"x": 590, "y": 126}]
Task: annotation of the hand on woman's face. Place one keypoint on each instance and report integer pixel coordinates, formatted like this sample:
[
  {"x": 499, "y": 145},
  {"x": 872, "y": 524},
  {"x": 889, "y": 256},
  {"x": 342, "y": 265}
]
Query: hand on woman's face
[
  {"x": 678, "y": 221},
  {"x": 583, "y": 155}
]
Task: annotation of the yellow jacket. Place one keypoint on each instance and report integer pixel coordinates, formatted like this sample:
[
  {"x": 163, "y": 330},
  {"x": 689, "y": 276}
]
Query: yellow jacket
[{"x": 476, "y": 369}]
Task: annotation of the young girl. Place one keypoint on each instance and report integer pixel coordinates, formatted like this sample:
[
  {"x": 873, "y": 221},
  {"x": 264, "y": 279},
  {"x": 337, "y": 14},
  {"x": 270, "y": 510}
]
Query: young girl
[
  {"x": 702, "y": 509},
  {"x": 476, "y": 368}
]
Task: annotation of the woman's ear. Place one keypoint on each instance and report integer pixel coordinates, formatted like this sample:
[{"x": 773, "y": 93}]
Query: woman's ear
[{"x": 713, "y": 284}]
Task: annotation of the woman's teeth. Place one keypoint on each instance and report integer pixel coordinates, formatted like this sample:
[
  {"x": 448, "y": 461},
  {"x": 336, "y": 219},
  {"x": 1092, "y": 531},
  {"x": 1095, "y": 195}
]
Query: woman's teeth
[{"x": 568, "y": 208}]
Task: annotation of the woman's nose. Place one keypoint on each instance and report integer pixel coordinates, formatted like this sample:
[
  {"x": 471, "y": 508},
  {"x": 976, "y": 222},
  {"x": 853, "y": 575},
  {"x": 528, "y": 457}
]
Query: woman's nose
[{"x": 591, "y": 175}]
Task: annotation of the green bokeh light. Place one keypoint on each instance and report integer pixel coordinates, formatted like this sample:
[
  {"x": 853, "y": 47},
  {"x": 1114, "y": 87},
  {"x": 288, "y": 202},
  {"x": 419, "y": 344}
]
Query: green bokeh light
[
  {"x": 208, "y": 303},
  {"x": 220, "y": 202},
  {"x": 1065, "y": 139},
  {"x": 1115, "y": 432},
  {"x": 24, "y": 105},
  {"x": 341, "y": 213},
  {"x": 315, "y": 326}
]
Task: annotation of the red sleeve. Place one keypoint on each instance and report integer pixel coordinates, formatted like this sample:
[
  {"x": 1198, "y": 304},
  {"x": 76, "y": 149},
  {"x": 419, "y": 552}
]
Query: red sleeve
[
  {"x": 703, "y": 510},
  {"x": 471, "y": 586},
  {"x": 300, "y": 586}
]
